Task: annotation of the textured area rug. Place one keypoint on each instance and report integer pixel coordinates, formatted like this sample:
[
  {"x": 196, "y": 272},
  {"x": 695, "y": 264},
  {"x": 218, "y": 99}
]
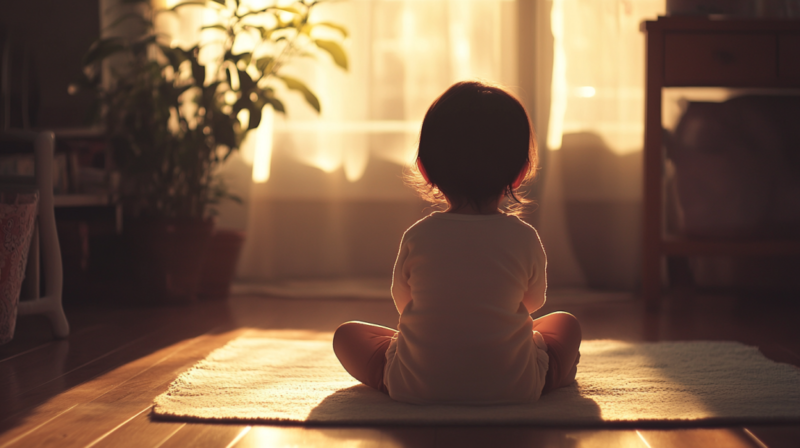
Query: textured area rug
[{"x": 260, "y": 379}]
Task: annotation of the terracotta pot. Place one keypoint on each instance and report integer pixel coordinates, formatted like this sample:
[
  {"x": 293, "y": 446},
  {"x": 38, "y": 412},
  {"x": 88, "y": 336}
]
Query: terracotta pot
[
  {"x": 219, "y": 264},
  {"x": 166, "y": 257}
]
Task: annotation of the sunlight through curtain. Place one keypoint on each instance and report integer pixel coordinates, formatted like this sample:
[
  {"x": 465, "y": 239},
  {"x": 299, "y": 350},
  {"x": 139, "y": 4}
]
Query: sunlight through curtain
[
  {"x": 330, "y": 200},
  {"x": 333, "y": 202},
  {"x": 598, "y": 70},
  {"x": 590, "y": 208}
]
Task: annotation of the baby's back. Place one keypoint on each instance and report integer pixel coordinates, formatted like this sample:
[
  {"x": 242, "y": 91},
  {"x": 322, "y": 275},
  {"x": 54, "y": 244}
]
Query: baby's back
[{"x": 465, "y": 335}]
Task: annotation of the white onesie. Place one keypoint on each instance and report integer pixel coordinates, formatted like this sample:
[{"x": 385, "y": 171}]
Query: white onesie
[{"x": 465, "y": 286}]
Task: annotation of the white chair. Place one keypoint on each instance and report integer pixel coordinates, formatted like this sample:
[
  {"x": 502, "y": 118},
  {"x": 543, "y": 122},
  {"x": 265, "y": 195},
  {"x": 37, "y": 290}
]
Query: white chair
[{"x": 45, "y": 252}]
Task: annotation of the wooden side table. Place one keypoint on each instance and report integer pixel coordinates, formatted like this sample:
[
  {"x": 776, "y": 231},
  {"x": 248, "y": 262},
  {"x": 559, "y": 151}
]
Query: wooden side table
[{"x": 705, "y": 52}]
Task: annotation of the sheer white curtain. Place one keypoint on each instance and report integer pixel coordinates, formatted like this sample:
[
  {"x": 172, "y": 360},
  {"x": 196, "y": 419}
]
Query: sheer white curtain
[
  {"x": 592, "y": 199},
  {"x": 334, "y": 203}
]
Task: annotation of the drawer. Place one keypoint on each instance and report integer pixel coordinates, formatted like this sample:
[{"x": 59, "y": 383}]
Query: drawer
[
  {"x": 720, "y": 59},
  {"x": 789, "y": 53}
]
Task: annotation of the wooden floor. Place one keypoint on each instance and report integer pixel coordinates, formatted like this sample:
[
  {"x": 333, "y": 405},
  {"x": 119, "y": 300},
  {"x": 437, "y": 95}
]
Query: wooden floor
[{"x": 96, "y": 388}]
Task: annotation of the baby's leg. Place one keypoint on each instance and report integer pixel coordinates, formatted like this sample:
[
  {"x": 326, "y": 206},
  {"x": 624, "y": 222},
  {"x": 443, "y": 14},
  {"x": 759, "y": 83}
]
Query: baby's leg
[
  {"x": 361, "y": 348},
  {"x": 562, "y": 333}
]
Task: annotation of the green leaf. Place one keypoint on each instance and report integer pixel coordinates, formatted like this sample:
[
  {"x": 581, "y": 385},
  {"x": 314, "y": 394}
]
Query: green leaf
[
  {"x": 335, "y": 50},
  {"x": 254, "y": 12},
  {"x": 235, "y": 58},
  {"x": 262, "y": 31},
  {"x": 229, "y": 76},
  {"x": 126, "y": 2},
  {"x": 276, "y": 104},
  {"x": 179, "y": 90},
  {"x": 215, "y": 26},
  {"x": 221, "y": 2},
  {"x": 242, "y": 103},
  {"x": 246, "y": 83},
  {"x": 255, "y": 117},
  {"x": 334, "y": 26},
  {"x": 171, "y": 94},
  {"x": 287, "y": 9},
  {"x": 125, "y": 17},
  {"x": 176, "y": 56},
  {"x": 141, "y": 45},
  {"x": 104, "y": 48},
  {"x": 209, "y": 92},
  {"x": 189, "y": 3},
  {"x": 298, "y": 85},
  {"x": 263, "y": 63},
  {"x": 224, "y": 133},
  {"x": 198, "y": 71}
]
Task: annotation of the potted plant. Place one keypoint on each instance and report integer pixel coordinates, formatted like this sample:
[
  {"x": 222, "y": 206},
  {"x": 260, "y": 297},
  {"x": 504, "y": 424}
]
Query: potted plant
[{"x": 171, "y": 122}]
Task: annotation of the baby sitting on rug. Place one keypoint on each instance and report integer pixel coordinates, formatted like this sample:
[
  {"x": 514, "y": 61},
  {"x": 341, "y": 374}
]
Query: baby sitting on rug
[{"x": 467, "y": 279}]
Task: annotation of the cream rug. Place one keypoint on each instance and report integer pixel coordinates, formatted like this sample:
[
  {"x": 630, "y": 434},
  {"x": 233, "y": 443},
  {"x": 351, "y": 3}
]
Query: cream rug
[{"x": 260, "y": 379}]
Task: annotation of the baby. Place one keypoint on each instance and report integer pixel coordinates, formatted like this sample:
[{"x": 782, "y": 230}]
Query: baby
[{"x": 466, "y": 280}]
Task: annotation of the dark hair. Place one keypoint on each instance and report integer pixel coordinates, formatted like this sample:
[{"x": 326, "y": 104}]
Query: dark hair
[{"x": 475, "y": 140}]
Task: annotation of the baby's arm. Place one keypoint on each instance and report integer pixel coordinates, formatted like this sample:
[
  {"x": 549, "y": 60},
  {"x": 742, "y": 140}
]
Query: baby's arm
[
  {"x": 401, "y": 291},
  {"x": 534, "y": 297}
]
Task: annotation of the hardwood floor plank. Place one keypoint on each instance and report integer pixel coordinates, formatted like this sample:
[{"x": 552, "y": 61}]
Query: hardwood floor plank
[
  {"x": 157, "y": 377},
  {"x": 32, "y": 398},
  {"x": 102, "y": 362},
  {"x": 103, "y": 397},
  {"x": 779, "y": 436},
  {"x": 521, "y": 437},
  {"x": 50, "y": 364},
  {"x": 699, "y": 438},
  {"x": 124, "y": 386},
  {"x": 35, "y": 331},
  {"x": 198, "y": 435},
  {"x": 79, "y": 427},
  {"x": 295, "y": 436},
  {"x": 20, "y": 418},
  {"x": 21, "y": 431},
  {"x": 608, "y": 438},
  {"x": 137, "y": 433}
]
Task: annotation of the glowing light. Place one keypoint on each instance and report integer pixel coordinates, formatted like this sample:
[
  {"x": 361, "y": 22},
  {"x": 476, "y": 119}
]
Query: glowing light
[
  {"x": 325, "y": 155},
  {"x": 244, "y": 117},
  {"x": 173, "y": 124},
  {"x": 558, "y": 95},
  {"x": 262, "y": 158},
  {"x": 230, "y": 97},
  {"x": 585, "y": 91},
  {"x": 408, "y": 25},
  {"x": 355, "y": 163}
]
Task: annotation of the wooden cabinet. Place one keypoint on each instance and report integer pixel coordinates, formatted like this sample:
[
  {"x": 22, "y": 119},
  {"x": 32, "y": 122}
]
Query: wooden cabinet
[
  {"x": 702, "y": 52},
  {"x": 720, "y": 59}
]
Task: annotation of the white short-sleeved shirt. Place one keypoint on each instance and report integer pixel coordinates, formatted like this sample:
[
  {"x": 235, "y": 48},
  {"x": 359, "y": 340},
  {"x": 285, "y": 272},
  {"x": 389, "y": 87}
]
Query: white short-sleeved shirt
[{"x": 465, "y": 286}]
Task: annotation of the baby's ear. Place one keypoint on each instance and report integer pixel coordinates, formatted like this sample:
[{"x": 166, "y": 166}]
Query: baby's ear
[
  {"x": 422, "y": 170},
  {"x": 520, "y": 177}
]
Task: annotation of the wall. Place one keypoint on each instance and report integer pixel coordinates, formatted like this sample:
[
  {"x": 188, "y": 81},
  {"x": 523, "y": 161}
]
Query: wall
[{"x": 57, "y": 33}]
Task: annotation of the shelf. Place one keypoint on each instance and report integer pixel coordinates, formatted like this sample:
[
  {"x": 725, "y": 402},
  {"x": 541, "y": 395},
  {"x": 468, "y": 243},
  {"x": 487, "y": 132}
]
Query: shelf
[
  {"x": 706, "y": 52},
  {"x": 81, "y": 200},
  {"x": 673, "y": 245}
]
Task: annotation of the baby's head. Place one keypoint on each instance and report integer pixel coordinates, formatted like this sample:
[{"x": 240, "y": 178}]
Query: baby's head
[{"x": 476, "y": 145}]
